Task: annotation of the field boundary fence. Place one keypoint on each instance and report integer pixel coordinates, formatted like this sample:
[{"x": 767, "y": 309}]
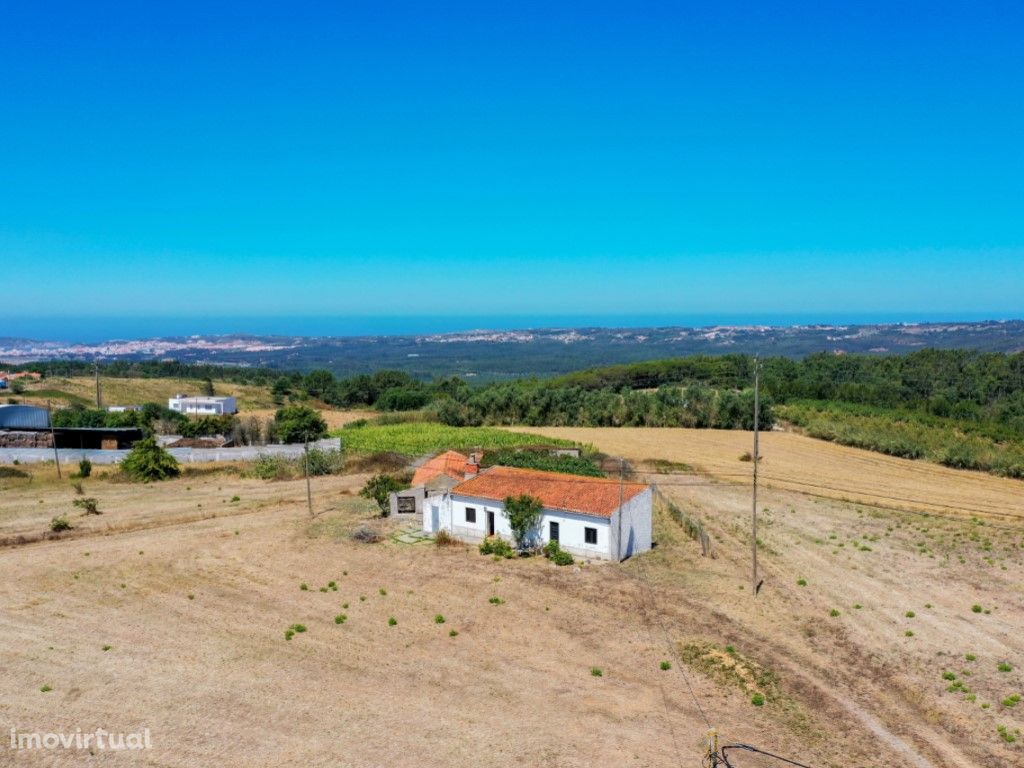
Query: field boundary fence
[{"x": 691, "y": 524}]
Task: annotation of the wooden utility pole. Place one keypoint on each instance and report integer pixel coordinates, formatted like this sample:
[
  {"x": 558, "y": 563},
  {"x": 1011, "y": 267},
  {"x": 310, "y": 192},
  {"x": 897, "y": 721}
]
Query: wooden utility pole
[
  {"x": 757, "y": 418},
  {"x": 53, "y": 439},
  {"x": 622, "y": 479},
  {"x": 99, "y": 394},
  {"x": 305, "y": 464}
]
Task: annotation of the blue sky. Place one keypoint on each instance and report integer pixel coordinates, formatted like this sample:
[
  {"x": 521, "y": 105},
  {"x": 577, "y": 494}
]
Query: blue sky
[{"x": 510, "y": 158}]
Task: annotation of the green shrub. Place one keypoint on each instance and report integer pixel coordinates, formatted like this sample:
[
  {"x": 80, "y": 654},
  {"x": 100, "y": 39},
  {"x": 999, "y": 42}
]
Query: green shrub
[
  {"x": 392, "y": 621},
  {"x": 439, "y": 619},
  {"x": 379, "y": 488},
  {"x": 59, "y": 524},
  {"x": 1004, "y": 667},
  {"x": 833, "y": 613},
  {"x": 495, "y": 600},
  {"x": 757, "y": 699},
  {"x": 665, "y": 665},
  {"x": 341, "y": 618},
  {"x": 556, "y": 554},
  {"x": 453, "y": 633},
  {"x": 84, "y": 468},
  {"x": 976, "y": 608},
  {"x": 910, "y": 614},
  {"x": 596, "y": 672},
  {"x": 497, "y": 547},
  {"x": 298, "y": 423},
  {"x": 89, "y": 504},
  {"x": 320, "y": 462},
  {"x": 148, "y": 462},
  {"x": 523, "y": 513},
  {"x": 801, "y": 582}
]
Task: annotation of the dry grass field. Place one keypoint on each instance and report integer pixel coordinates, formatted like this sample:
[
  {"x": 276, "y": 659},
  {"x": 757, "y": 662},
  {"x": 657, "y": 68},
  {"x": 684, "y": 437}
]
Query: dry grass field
[
  {"x": 794, "y": 462},
  {"x": 118, "y": 391},
  {"x": 863, "y": 611}
]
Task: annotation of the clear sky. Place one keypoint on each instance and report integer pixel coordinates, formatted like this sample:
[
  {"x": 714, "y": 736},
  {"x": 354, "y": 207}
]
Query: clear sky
[{"x": 511, "y": 158}]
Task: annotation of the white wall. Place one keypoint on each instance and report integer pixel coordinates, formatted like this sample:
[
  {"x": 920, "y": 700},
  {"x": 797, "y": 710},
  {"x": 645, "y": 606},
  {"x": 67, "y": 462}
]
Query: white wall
[
  {"x": 572, "y": 538},
  {"x": 636, "y": 526},
  {"x": 200, "y": 406}
]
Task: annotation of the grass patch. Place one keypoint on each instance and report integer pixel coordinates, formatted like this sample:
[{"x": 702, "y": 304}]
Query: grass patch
[{"x": 417, "y": 438}]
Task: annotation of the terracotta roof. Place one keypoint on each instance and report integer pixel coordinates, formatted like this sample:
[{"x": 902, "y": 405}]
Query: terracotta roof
[
  {"x": 596, "y": 496},
  {"x": 451, "y": 463}
]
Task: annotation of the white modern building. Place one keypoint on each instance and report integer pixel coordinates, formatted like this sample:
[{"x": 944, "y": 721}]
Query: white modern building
[
  {"x": 589, "y": 517},
  {"x": 203, "y": 405}
]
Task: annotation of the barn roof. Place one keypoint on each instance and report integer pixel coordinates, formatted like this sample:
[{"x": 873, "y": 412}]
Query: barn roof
[
  {"x": 596, "y": 496},
  {"x": 450, "y": 463},
  {"x": 23, "y": 417}
]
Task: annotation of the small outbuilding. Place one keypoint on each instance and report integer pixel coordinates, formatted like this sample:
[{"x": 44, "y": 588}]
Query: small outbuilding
[
  {"x": 203, "y": 405},
  {"x": 435, "y": 475}
]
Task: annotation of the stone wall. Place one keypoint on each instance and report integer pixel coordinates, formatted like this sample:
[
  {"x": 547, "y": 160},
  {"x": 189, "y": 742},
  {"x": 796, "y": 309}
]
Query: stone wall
[{"x": 15, "y": 439}]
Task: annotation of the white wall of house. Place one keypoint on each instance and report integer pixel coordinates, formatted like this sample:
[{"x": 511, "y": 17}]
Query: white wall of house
[
  {"x": 452, "y": 514},
  {"x": 203, "y": 406},
  {"x": 637, "y": 534}
]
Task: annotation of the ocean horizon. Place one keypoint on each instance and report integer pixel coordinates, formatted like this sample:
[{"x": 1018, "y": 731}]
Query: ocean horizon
[{"x": 94, "y": 329}]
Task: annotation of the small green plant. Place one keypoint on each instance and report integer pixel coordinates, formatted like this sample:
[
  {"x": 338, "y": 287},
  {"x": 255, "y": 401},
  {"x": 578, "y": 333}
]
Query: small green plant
[
  {"x": 46, "y": 689},
  {"x": 304, "y": 587},
  {"x": 383, "y": 592},
  {"x": 362, "y": 598},
  {"x": 60, "y": 523},
  {"x": 90, "y": 505},
  {"x": 1011, "y": 701},
  {"x": 731, "y": 650},
  {"x": 554, "y": 552},
  {"x": 107, "y": 647},
  {"x": 971, "y": 657},
  {"x": 235, "y": 499},
  {"x": 1006, "y": 735},
  {"x": 345, "y": 606},
  {"x": 392, "y": 621},
  {"x": 191, "y": 596},
  {"x": 79, "y": 487},
  {"x": 976, "y": 608},
  {"x": 909, "y": 633},
  {"x": 757, "y": 699},
  {"x": 1004, "y": 667},
  {"x": 834, "y": 612},
  {"x": 801, "y": 582},
  {"x": 341, "y": 618},
  {"x": 948, "y": 676},
  {"x": 293, "y": 630},
  {"x": 439, "y": 619},
  {"x": 84, "y": 468},
  {"x": 857, "y": 606},
  {"x": 453, "y": 633},
  {"x": 495, "y": 601},
  {"x": 596, "y": 672},
  {"x": 910, "y": 614},
  {"x": 665, "y": 666},
  {"x": 324, "y": 589},
  {"x": 497, "y": 547}
]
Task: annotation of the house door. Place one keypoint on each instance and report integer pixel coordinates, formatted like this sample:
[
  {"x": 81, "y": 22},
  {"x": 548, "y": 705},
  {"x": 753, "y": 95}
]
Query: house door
[
  {"x": 490, "y": 523},
  {"x": 553, "y": 531},
  {"x": 435, "y": 518}
]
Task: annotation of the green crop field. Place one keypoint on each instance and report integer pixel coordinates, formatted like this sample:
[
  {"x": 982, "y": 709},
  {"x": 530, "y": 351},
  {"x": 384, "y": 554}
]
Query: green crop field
[{"x": 426, "y": 437}]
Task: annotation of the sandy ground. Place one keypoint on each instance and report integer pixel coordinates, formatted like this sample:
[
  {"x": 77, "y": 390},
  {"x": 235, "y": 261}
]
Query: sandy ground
[
  {"x": 194, "y": 601},
  {"x": 795, "y": 462}
]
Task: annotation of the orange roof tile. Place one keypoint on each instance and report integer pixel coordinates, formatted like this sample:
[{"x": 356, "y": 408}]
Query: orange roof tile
[
  {"x": 595, "y": 496},
  {"x": 451, "y": 463}
]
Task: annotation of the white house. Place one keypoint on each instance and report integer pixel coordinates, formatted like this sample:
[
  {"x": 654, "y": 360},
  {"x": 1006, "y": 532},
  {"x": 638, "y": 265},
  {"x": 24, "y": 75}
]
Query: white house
[
  {"x": 203, "y": 405},
  {"x": 589, "y": 517}
]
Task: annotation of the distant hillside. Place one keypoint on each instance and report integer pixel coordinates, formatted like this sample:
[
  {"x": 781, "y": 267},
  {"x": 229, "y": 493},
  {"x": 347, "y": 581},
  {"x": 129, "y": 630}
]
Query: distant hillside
[{"x": 504, "y": 355}]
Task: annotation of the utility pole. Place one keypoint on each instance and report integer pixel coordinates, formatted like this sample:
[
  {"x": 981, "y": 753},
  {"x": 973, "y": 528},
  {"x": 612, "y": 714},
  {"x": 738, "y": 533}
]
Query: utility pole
[
  {"x": 305, "y": 464},
  {"x": 757, "y": 418},
  {"x": 622, "y": 478},
  {"x": 99, "y": 394},
  {"x": 53, "y": 439}
]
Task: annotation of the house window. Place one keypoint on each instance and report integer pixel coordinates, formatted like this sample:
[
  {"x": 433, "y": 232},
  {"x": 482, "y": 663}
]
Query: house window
[
  {"x": 470, "y": 514},
  {"x": 590, "y": 535},
  {"x": 553, "y": 535}
]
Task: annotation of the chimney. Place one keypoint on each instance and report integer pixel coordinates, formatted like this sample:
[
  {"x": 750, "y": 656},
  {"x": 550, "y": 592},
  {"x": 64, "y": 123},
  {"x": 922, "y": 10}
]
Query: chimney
[{"x": 472, "y": 465}]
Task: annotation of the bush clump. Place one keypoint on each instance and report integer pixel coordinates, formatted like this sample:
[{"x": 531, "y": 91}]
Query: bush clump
[
  {"x": 492, "y": 545},
  {"x": 60, "y": 523},
  {"x": 556, "y": 554},
  {"x": 84, "y": 469},
  {"x": 89, "y": 504},
  {"x": 379, "y": 488},
  {"x": 148, "y": 462}
]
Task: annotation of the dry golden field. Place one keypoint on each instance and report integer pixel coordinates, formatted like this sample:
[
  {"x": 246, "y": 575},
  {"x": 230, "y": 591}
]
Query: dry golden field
[
  {"x": 118, "y": 391},
  {"x": 794, "y": 462},
  {"x": 193, "y": 590}
]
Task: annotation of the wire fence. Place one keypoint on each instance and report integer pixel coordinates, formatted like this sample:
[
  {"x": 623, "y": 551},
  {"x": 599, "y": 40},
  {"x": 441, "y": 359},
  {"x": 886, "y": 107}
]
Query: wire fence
[{"x": 693, "y": 526}]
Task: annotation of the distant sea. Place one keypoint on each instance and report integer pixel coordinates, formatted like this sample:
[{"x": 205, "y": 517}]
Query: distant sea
[{"x": 96, "y": 328}]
